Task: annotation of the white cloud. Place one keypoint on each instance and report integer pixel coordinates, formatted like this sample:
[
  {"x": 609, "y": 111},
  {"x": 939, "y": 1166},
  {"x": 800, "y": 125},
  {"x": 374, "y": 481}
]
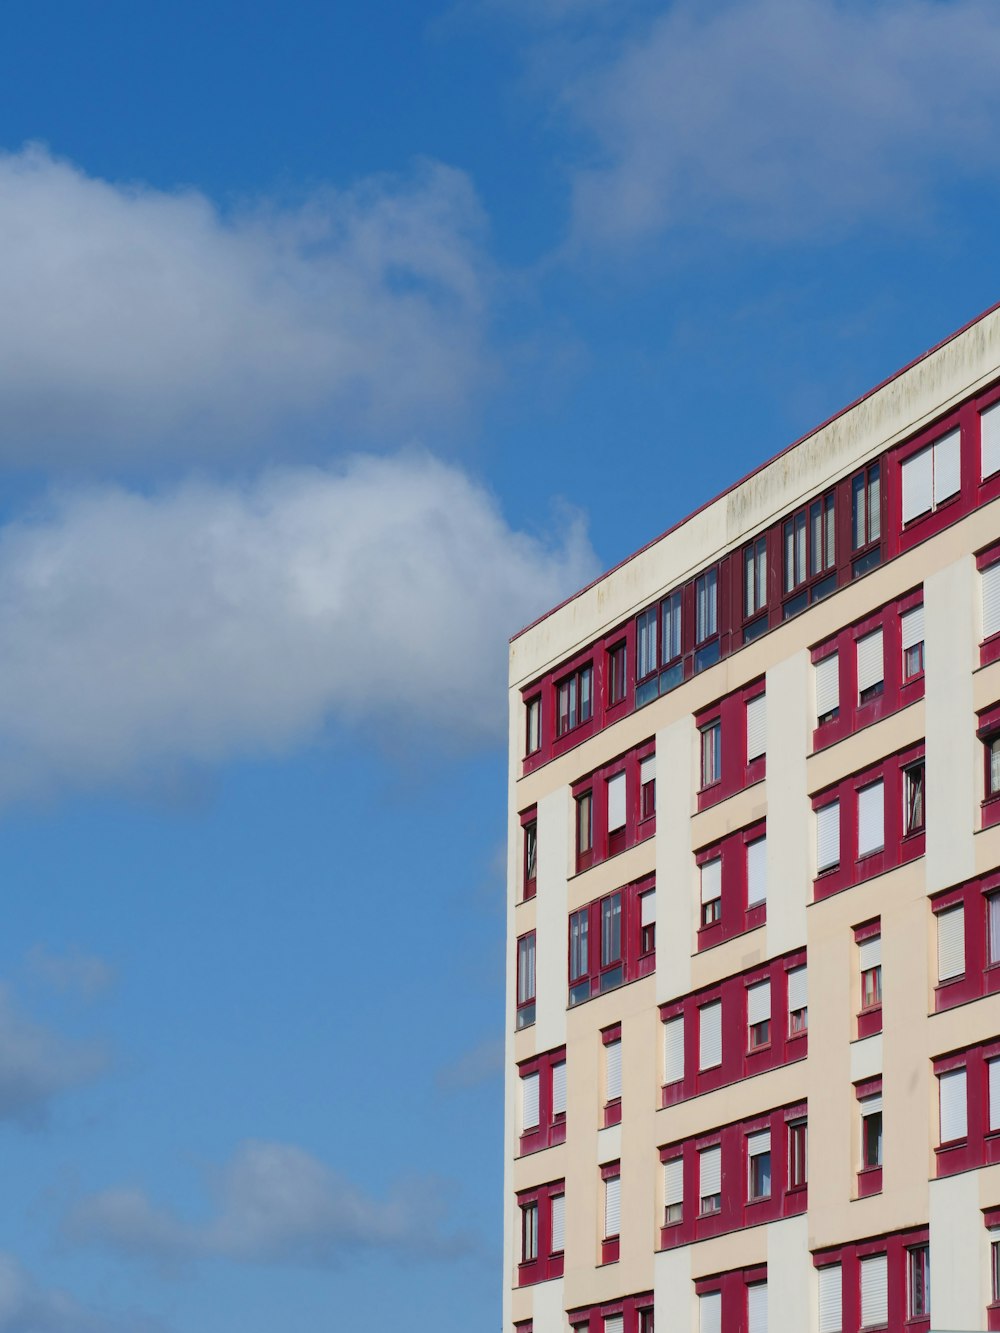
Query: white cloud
[
  {"x": 211, "y": 621},
  {"x": 482, "y": 1063},
  {"x": 787, "y": 118},
  {"x": 27, "y": 1307},
  {"x": 83, "y": 974},
  {"x": 274, "y": 1204},
  {"x": 135, "y": 319},
  {"x": 37, "y": 1064}
]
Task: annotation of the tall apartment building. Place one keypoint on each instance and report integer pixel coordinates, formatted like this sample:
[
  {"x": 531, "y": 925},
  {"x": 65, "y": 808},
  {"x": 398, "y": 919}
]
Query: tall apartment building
[{"x": 753, "y": 1062}]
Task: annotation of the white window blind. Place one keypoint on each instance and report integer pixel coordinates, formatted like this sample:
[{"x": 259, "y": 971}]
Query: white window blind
[
  {"x": 870, "y": 661},
  {"x": 673, "y": 1047},
  {"x": 759, "y": 1143},
  {"x": 993, "y": 1072},
  {"x": 993, "y": 926},
  {"x": 529, "y": 1102},
  {"x": 871, "y": 1105},
  {"x": 647, "y": 770},
  {"x": 831, "y": 1293},
  {"x": 710, "y": 1171},
  {"x": 757, "y": 1308},
  {"x": 759, "y": 1003},
  {"x": 613, "y": 1053},
  {"x": 612, "y": 1205},
  {"x": 710, "y": 1312},
  {"x": 828, "y": 835},
  {"x": 951, "y": 942},
  {"x": 710, "y": 1035},
  {"x": 673, "y": 1181},
  {"x": 912, "y": 626},
  {"x": 559, "y": 1088},
  {"x": 874, "y": 1291},
  {"x": 558, "y": 1222},
  {"x": 918, "y": 483},
  {"x": 647, "y": 908},
  {"x": 616, "y": 802},
  {"x": 757, "y": 727},
  {"x": 711, "y": 880},
  {"x": 798, "y": 988},
  {"x": 954, "y": 1105},
  {"x": 757, "y": 872},
  {"x": 870, "y": 953},
  {"x": 991, "y": 599},
  {"x": 613, "y": 1323},
  {"x": 947, "y": 466},
  {"x": 828, "y": 685},
  {"x": 990, "y": 422},
  {"x": 871, "y": 818}
]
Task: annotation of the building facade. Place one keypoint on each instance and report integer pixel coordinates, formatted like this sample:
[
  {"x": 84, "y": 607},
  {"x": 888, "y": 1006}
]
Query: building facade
[{"x": 753, "y": 1052}]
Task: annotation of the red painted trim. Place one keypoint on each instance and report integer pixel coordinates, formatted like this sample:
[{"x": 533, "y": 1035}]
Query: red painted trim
[
  {"x": 551, "y": 1125},
  {"x": 896, "y": 1248},
  {"x": 631, "y": 963},
  {"x": 736, "y": 916},
  {"x": 979, "y": 1147},
  {"x": 637, "y": 828},
  {"x": 737, "y": 771},
  {"x": 869, "y": 1016},
  {"x": 732, "y": 1288},
  {"x": 981, "y": 975},
  {"x": 548, "y": 1263},
  {"x": 529, "y": 853},
  {"x": 590, "y": 1318}
]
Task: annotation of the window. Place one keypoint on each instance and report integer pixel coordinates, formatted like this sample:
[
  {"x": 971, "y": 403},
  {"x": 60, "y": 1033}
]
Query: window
[
  {"x": 990, "y": 585},
  {"x": 953, "y": 1105},
  {"x": 605, "y": 942},
  {"x": 759, "y": 1015},
  {"x": 827, "y": 678},
  {"x": 989, "y": 423},
  {"x": 529, "y": 1232},
  {"x": 797, "y": 1154},
  {"x": 798, "y": 1001},
  {"x": 612, "y": 1041},
  {"x": 710, "y": 1312},
  {"x": 870, "y": 966},
  {"x": 611, "y": 1175},
  {"x": 647, "y": 787},
  {"x": 615, "y": 805},
  {"x": 574, "y": 700},
  {"x": 871, "y": 668},
  {"x": 912, "y": 629},
  {"x": 526, "y": 980},
  {"x": 584, "y": 824},
  {"x": 711, "y": 892},
  {"x": 646, "y": 1321},
  {"x": 831, "y": 1292},
  {"x": 542, "y": 1081},
  {"x": 558, "y": 1215},
  {"x": 992, "y": 744},
  {"x": 913, "y": 799},
  {"x": 617, "y": 668},
  {"x": 711, "y": 753},
  {"x": 995, "y": 1265},
  {"x": 611, "y": 934},
  {"x": 871, "y": 819},
  {"x": 533, "y": 724},
  {"x": 951, "y": 942},
  {"x": 647, "y": 922},
  {"x": 530, "y": 858},
  {"x": 874, "y": 1291},
  {"x": 757, "y": 872},
  {"x": 706, "y": 590},
  {"x": 710, "y": 1178},
  {"x": 828, "y": 836},
  {"x": 658, "y": 649},
  {"x": 756, "y": 727},
  {"x": 710, "y": 1035},
  {"x": 866, "y": 508},
  {"x": 579, "y": 956},
  {"x": 759, "y": 1165},
  {"x": 810, "y": 550},
  {"x": 871, "y": 1131},
  {"x": 931, "y": 476},
  {"x": 993, "y": 929},
  {"x": 673, "y": 1050},
  {"x": 918, "y": 1281},
  {"x": 673, "y": 1191},
  {"x": 754, "y": 577},
  {"x": 757, "y": 1308}
]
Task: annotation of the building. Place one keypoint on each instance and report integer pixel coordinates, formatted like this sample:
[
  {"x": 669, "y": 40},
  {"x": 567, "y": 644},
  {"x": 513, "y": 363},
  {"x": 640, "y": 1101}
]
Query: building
[{"x": 753, "y": 1054}]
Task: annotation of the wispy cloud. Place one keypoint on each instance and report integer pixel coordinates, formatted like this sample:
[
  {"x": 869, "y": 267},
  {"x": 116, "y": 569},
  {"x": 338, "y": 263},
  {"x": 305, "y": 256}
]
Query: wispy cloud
[
  {"x": 784, "y": 119},
  {"x": 273, "y": 1204},
  {"x": 138, "y": 320},
  {"x": 214, "y": 620},
  {"x": 37, "y": 1064},
  {"x": 482, "y": 1063},
  {"x": 74, "y": 972},
  {"x": 27, "y": 1307}
]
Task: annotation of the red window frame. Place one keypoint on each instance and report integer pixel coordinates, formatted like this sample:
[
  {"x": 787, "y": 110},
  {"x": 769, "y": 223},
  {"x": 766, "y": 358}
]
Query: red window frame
[
  {"x": 529, "y": 857},
  {"x": 548, "y": 1263},
  {"x": 612, "y": 1105},
  {"x": 526, "y": 1003},
  {"x": 812, "y": 573},
  {"x": 732, "y": 1288},
  {"x": 636, "y": 1312},
  {"x": 735, "y": 917},
  {"x": 866, "y": 545},
  {"x": 574, "y": 700},
  {"x": 982, "y": 973},
  {"x": 896, "y": 850},
  {"x": 736, "y": 771},
  {"x": 532, "y": 710},
  {"x": 551, "y": 1128},
  {"x": 738, "y": 1062},
  {"x": 981, "y": 1145},
  {"x": 988, "y": 732},
  {"x": 617, "y": 672},
  {"x": 736, "y": 1210},
  {"x": 869, "y": 1180},
  {"x": 896, "y": 1247},
  {"x": 797, "y": 1131},
  {"x": 989, "y": 648},
  {"x": 599, "y": 971},
  {"x": 603, "y": 842},
  {"x": 869, "y": 1013},
  {"x": 611, "y": 1245},
  {"x": 756, "y": 595}
]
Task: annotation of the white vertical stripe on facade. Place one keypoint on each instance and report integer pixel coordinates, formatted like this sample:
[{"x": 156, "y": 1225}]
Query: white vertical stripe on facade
[
  {"x": 789, "y": 827},
  {"x": 676, "y": 913},
  {"x": 993, "y": 1071},
  {"x": 616, "y": 802},
  {"x": 990, "y": 578},
  {"x": 710, "y": 1171},
  {"x": 612, "y": 1205},
  {"x": 959, "y": 1275},
  {"x": 871, "y": 818},
  {"x": 947, "y": 466},
  {"x": 874, "y": 1290},
  {"x": 798, "y": 988},
  {"x": 871, "y": 662},
  {"x": 918, "y": 483},
  {"x": 673, "y": 1181},
  {"x": 990, "y": 426},
  {"x": 827, "y": 685},
  {"x": 551, "y": 915},
  {"x": 711, "y": 880},
  {"x": 911, "y": 625},
  {"x": 831, "y": 1299},
  {"x": 673, "y": 1049},
  {"x": 710, "y": 1035},
  {"x": 757, "y": 872},
  {"x": 758, "y": 1003},
  {"x": 529, "y": 1102},
  {"x": 613, "y": 1053},
  {"x": 757, "y": 1308},
  {"x": 559, "y": 1087},
  {"x": 954, "y": 1105},
  {"x": 710, "y": 1312},
  {"x": 757, "y": 727},
  {"x": 558, "y": 1222},
  {"x": 870, "y": 953},
  {"x": 647, "y": 908},
  {"x": 828, "y": 835},
  {"x": 951, "y": 942}
]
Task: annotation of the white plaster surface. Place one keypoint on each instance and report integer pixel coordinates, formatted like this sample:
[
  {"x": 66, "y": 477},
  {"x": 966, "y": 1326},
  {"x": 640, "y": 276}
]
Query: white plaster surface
[
  {"x": 609, "y": 1144},
  {"x": 551, "y": 964},
  {"x": 790, "y": 1308},
  {"x": 957, "y": 1238},
  {"x": 789, "y": 860},
  {"x": 548, "y": 1312},
  {"x": 673, "y": 1291},
  {"x": 675, "y": 874},
  {"x": 866, "y": 1058}
]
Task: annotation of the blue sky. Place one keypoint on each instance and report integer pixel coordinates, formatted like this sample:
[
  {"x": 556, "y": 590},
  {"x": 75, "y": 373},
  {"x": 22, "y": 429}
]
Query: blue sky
[{"x": 336, "y": 343}]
